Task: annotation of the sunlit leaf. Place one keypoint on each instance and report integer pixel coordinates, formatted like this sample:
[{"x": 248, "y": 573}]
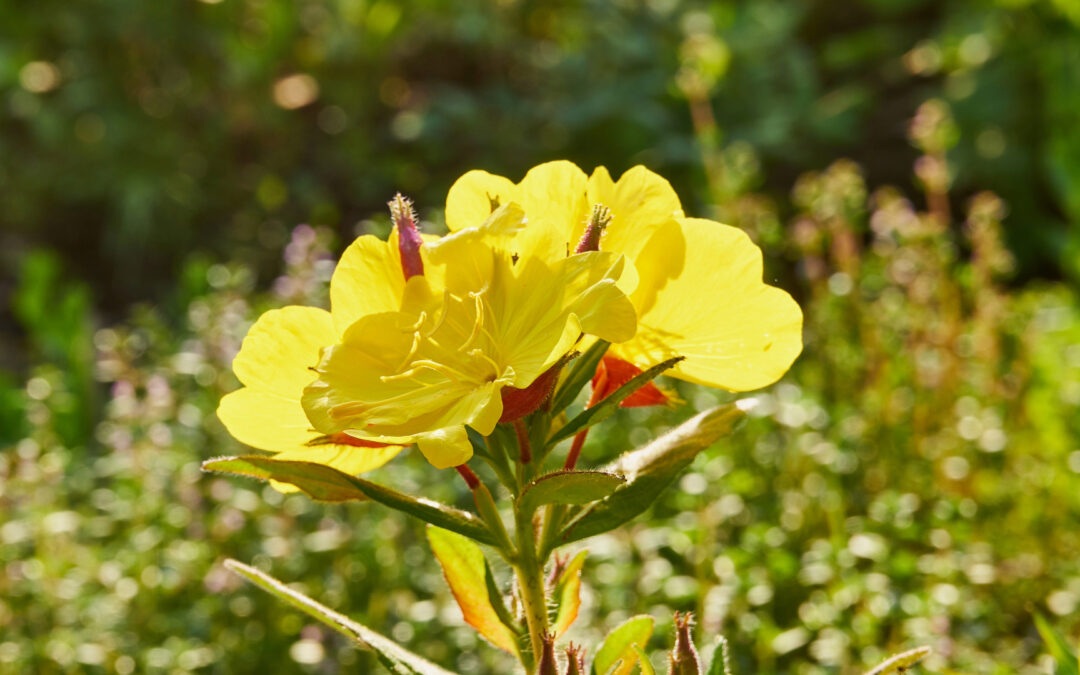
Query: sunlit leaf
[
  {"x": 720, "y": 664},
  {"x": 328, "y": 484},
  {"x": 652, "y": 468},
  {"x": 1068, "y": 660},
  {"x": 605, "y": 408},
  {"x": 568, "y": 595},
  {"x": 568, "y": 487},
  {"x": 466, "y": 570},
  {"x": 580, "y": 373},
  {"x": 900, "y": 663},
  {"x": 643, "y": 659},
  {"x": 392, "y": 655},
  {"x": 616, "y": 655}
]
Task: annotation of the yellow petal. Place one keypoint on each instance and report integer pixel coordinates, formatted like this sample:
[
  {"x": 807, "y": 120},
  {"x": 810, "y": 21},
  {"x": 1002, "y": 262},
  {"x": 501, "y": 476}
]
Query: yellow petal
[
  {"x": 446, "y": 447},
  {"x": 346, "y": 458},
  {"x": 269, "y": 422},
  {"x": 471, "y": 251},
  {"x": 552, "y": 194},
  {"x": 543, "y": 311},
  {"x": 702, "y": 296},
  {"x": 265, "y": 420},
  {"x": 554, "y": 198},
  {"x": 641, "y": 201},
  {"x": 474, "y": 196},
  {"x": 367, "y": 280},
  {"x": 384, "y": 381},
  {"x": 281, "y": 347}
]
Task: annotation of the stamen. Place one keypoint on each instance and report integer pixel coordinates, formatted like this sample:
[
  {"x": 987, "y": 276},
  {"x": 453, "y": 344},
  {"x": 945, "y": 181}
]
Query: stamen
[{"x": 478, "y": 323}]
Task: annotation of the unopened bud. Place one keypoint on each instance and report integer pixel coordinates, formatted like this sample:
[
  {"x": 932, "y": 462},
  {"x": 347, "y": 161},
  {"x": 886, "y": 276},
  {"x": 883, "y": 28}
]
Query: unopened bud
[
  {"x": 518, "y": 403},
  {"x": 575, "y": 660},
  {"x": 599, "y": 220},
  {"x": 684, "y": 658},
  {"x": 409, "y": 240},
  {"x": 547, "y": 665}
]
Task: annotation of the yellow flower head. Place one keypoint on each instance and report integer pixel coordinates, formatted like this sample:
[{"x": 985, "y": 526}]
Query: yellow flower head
[
  {"x": 275, "y": 361},
  {"x": 441, "y": 362},
  {"x": 696, "y": 284}
]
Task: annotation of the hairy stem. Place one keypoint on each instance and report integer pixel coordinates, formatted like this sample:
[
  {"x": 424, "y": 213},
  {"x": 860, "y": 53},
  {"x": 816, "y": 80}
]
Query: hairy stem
[{"x": 530, "y": 574}]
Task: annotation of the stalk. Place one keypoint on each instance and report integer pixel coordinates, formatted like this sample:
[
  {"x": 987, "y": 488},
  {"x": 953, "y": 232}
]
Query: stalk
[{"x": 530, "y": 576}]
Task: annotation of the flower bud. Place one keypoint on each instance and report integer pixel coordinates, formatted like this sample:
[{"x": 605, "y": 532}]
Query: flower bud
[
  {"x": 547, "y": 664},
  {"x": 684, "y": 658},
  {"x": 409, "y": 240},
  {"x": 575, "y": 660},
  {"x": 599, "y": 220},
  {"x": 613, "y": 372},
  {"x": 518, "y": 403}
]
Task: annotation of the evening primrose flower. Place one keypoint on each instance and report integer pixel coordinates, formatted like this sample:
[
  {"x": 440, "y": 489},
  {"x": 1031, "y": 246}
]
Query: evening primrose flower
[
  {"x": 697, "y": 284},
  {"x": 445, "y": 359},
  {"x": 275, "y": 360}
]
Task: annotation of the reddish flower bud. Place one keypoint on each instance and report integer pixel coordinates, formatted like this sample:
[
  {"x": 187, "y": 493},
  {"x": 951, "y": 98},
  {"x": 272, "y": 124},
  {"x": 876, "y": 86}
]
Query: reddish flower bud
[
  {"x": 613, "y": 372},
  {"x": 575, "y": 660},
  {"x": 518, "y": 403},
  {"x": 684, "y": 658},
  {"x": 547, "y": 663},
  {"x": 409, "y": 240},
  {"x": 599, "y": 220}
]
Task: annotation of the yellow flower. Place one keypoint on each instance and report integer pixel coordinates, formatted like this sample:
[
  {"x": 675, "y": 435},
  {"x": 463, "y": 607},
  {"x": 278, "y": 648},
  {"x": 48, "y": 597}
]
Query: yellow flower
[
  {"x": 275, "y": 361},
  {"x": 421, "y": 374},
  {"x": 697, "y": 284}
]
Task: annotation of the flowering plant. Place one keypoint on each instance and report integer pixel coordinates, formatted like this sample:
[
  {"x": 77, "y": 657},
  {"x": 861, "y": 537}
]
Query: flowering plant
[{"x": 475, "y": 347}]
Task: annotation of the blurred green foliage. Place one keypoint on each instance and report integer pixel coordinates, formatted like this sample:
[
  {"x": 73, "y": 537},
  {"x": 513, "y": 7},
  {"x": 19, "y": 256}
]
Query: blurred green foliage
[
  {"x": 914, "y": 480},
  {"x": 132, "y": 134}
]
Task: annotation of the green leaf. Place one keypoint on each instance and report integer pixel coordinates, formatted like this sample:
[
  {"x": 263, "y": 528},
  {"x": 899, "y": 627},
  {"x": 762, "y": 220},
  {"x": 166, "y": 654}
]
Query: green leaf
[
  {"x": 498, "y": 603},
  {"x": 396, "y": 658},
  {"x": 466, "y": 570},
  {"x": 580, "y": 374},
  {"x": 720, "y": 664},
  {"x": 1068, "y": 663},
  {"x": 568, "y": 595},
  {"x": 320, "y": 482},
  {"x": 899, "y": 663},
  {"x": 494, "y": 455},
  {"x": 323, "y": 482},
  {"x": 650, "y": 469},
  {"x": 643, "y": 659},
  {"x": 605, "y": 408},
  {"x": 568, "y": 487},
  {"x": 616, "y": 655}
]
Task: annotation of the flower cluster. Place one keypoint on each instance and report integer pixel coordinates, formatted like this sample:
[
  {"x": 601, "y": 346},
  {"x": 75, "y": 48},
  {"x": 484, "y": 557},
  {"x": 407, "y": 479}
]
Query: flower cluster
[{"x": 429, "y": 335}]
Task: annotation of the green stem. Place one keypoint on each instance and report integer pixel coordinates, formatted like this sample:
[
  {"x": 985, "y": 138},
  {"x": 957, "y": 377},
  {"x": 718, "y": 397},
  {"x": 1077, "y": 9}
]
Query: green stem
[{"x": 530, "y": 574}]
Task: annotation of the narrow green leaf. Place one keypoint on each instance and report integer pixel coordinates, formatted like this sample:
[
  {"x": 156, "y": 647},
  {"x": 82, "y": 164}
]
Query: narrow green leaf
[
  {"x": 498, "y": 603},
  {"x": 649, "y": 470},
  {"x": 721, "y": 665},
  {"x": 568, "y": 487},
  {"x": 494, "y": 456},
  {"x": 581, "y": 372},
  {"x": 465, "y": 569},
  {"x": 396, "y": 658},
  {"x": 899, "y": 663},
  {"x": 321, "y": 481},
  {"x": 568, "y": 595},
  {"x": 1068, "y": 663},
  {"x": 605, "y": 408},
  {"x": 317, "y": 481},
  {"x": 643, "y": 659},
  {"x": 616, "y": 655}
]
